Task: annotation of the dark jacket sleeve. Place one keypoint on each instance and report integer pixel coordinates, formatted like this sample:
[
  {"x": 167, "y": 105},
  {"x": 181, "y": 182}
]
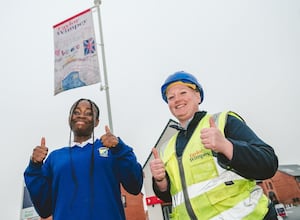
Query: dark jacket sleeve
[
  {"x": 164, "y": 196},
  {"x": 252, "y": 157},
  {"x": 130, "y": 171},
  {"x": 39, "y": 189}
]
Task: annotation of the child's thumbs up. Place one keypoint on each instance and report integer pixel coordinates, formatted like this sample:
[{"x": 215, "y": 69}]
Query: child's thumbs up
[{"x": 108, "y": 139}]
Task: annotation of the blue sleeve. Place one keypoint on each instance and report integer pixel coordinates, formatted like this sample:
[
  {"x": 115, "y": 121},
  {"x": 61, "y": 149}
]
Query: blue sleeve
[
  {"x": 252, "y": 157},
  {"x": 131, "y": 173},
  {"x": 39, "y": 188}
]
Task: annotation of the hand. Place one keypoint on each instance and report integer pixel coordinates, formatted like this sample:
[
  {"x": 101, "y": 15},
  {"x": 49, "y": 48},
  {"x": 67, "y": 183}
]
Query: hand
[
  {"x": 108, "y": 139},
  {"x": 40, "y": 152},
  {"x": 213, "y": 139},
  {"x": 157, "y": 167}
]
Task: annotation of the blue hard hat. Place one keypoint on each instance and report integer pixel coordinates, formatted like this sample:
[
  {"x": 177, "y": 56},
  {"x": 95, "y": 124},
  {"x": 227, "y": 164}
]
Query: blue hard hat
[{"x": 183, "y": 77}]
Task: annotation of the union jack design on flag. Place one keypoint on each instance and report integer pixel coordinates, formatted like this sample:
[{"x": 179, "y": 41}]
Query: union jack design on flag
[{"x": 89, "y": 46}]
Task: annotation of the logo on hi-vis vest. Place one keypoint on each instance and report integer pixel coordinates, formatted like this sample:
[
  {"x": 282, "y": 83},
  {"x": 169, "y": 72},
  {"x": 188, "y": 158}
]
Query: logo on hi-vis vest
[{"x": 199, "y": 154}]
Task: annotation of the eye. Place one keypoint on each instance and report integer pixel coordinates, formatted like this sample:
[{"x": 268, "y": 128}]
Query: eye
[
  {"x": 169, "y": 98},
  {"x": 76, "y": 112},
  {"x": 183, "y": 92},
  {"x": 88, "y": 113}
]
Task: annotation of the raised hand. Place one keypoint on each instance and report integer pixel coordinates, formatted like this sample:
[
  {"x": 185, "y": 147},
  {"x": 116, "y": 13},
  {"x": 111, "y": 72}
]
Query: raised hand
[
  {"x": 40, "y": 152},
  {"x": 157, "y": 167},
  {"x": 108, "y": 139},
  {"x": 212, "y": 138}
]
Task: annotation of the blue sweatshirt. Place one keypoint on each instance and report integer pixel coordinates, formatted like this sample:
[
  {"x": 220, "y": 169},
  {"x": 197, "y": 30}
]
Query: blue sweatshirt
[{"x": 65, "y": 187}]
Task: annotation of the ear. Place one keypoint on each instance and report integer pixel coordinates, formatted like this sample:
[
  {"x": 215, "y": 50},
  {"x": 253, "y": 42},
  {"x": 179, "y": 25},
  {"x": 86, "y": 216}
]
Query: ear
[
  {"x": 199, "y": 99},
  {"x": 197, "y": 94}
]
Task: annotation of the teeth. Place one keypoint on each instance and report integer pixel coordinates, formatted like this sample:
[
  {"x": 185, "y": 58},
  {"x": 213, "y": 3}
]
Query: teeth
[{"x": 179, "y": 106}]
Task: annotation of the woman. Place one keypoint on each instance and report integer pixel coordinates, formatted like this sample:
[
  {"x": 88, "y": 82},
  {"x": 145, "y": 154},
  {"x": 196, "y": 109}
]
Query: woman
[{"x": 208, "y": 169}]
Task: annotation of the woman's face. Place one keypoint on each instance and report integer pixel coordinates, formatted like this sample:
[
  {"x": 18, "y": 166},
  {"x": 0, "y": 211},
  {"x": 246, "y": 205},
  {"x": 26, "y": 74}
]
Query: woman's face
[
  {"x": 183, "y": 102},
  {"x": 82, "y": 120}
]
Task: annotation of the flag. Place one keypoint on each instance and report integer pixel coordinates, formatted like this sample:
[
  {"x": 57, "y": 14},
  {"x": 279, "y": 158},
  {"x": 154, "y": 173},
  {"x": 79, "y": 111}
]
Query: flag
[{"x": 76, "y": 61}]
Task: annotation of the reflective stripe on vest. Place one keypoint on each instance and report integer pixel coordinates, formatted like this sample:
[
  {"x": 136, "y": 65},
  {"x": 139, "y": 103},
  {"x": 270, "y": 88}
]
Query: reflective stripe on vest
[
  {"x": 248, "y": 209},
  {"x": 212, "y": 191},
  {"x": 205, "y": 186}
]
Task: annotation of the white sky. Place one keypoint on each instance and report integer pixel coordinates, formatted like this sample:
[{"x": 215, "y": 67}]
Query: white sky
[{"x": 245, "y": 54}]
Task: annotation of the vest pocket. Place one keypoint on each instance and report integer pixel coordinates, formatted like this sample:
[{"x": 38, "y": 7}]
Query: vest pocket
[
  {"x": 203, "y": 169},
  {"x": 231, "y": 192}
]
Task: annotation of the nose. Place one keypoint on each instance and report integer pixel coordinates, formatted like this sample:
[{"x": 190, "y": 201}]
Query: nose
[{"x": 176, "y": 97}]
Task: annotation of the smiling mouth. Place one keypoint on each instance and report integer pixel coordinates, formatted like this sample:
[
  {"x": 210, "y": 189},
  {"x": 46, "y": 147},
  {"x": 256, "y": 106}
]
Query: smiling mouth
[
  {"x": 79, "y": 123},
  {"x": 179, "y": 106}
]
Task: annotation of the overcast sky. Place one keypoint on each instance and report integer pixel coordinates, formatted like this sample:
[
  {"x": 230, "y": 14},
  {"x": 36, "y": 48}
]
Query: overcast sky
[{"x": 246, "y": 55}]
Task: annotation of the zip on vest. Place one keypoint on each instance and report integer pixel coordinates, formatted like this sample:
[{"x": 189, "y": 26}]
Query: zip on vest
[{"x": 187, "y": 201}]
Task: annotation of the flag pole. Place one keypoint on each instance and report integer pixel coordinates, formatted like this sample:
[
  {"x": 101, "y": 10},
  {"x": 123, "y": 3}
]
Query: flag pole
[{"x": 104, "y": 87}]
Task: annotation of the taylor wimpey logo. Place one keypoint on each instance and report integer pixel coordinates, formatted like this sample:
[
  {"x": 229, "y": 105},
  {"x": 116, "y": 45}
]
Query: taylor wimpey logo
[{"x": 199, "y": 154}]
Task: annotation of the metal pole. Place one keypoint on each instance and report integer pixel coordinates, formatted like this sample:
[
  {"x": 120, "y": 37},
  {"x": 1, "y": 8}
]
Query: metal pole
[{"x": 105, "y": 87}]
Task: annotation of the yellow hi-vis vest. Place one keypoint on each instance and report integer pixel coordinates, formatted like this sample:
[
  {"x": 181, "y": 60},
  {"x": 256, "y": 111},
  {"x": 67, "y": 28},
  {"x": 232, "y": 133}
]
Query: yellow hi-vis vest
[{"x": 198, "y": 185}]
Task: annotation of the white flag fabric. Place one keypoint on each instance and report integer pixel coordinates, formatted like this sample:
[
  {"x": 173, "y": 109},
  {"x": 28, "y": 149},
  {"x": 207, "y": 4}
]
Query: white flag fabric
[{"x": 75, "y": 49}]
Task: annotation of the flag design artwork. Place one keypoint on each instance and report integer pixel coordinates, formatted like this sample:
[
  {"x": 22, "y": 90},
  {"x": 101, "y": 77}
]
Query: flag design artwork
[{"x": 76, "y": 61}]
